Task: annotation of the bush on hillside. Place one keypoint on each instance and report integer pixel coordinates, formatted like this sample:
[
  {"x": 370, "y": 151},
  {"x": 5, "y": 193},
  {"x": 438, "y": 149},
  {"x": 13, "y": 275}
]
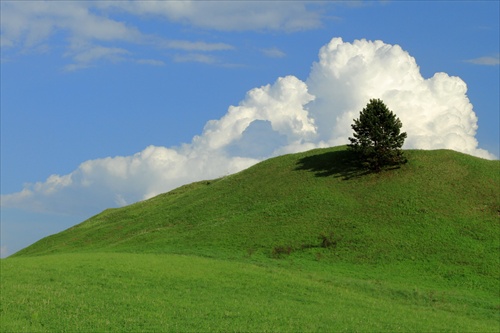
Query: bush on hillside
[{"x": 377, "y": 138}]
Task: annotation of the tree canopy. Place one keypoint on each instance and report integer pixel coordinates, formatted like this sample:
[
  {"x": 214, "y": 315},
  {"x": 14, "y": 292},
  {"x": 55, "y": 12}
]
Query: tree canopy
[{"x": 377, "y": 138}]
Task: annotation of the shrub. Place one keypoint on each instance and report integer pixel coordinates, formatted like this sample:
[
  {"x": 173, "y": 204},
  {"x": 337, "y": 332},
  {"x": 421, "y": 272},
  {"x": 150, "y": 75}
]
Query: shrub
[
  {"x": 327, "y": 240},
  {"x": 278, "y": 251}
]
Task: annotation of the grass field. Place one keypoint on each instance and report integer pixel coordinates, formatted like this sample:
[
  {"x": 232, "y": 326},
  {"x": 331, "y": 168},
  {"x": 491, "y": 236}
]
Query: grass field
[
  {"x": 302, "y": 242},
  {"x": 158, "y": 293}
]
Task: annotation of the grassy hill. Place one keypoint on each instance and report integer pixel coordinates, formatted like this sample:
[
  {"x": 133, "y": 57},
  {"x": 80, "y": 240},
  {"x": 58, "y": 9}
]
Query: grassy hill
[{"x": 346, "y": 250}]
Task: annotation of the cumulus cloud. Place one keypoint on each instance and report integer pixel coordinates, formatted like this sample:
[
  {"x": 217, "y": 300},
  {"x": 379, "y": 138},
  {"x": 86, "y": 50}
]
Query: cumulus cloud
[
  {"x": 284, "y": 117},
  {"x": 121, "y": 180},
  {"x": 435, "y": 112}
]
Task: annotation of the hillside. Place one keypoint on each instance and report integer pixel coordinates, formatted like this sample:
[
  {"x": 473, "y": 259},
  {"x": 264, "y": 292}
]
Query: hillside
[
  {"x": 441, "y": 206},
  {"x": 302, "y": 242}
]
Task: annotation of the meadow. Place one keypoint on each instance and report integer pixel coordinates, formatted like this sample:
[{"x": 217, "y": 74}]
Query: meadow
[
  {"x": 302, "y": 242},
  {"x": 175, "y": 293}
]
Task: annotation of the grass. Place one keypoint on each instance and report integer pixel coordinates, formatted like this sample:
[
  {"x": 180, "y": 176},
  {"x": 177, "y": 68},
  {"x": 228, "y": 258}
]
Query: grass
[
  {"x": 302, "y": 242},
  {"x": 173, "y": 293}
]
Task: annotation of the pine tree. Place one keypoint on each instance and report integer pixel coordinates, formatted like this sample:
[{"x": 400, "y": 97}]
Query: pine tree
[{"x": 377, "y": 138}]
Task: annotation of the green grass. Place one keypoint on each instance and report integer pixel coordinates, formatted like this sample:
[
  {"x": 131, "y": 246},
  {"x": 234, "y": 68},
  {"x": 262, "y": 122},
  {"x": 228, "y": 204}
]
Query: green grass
[
  {"x": 302, "y": 242},
  {"x": 160, "y": 293}
]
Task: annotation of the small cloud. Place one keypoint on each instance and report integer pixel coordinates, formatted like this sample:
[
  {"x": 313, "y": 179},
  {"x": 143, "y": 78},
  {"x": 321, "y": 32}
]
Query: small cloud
[
  {"x": 195, "y": 57},
  {"x": 84, "y": 57},
  {"x": 100, "y": 52},
  {"x": 151, "y": 62},
  {"x": 273, "y": 52},
  {"x": 484, "y": 27},
  {"x": 194, "y": 46},
  {"x": 486, "y": 61},
  {"x": 75, "y": 67}
]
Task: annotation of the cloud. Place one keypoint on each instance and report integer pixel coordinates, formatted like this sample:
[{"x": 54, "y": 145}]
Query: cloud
[
  {"x": 230, "y": 15},
  {"x": 116, "y": 181},
  {"x": 273, "y": 52},
  {"x": 195, "y": 57},
  {"x": 33, "y": 22},
  {"x": 284, "y": 117},
  {"x": 194, "y": 46},
  {"x": 88, "y": 30},
  {"x": 151, "y": 62},
  {"x": 435, "y": 112},
  {"x": 486, "y": 61},
  {"x": 85, "y": 57}
]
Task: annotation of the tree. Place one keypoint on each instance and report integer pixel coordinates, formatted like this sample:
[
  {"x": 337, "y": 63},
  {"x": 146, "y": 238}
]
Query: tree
[{"x": 377, "y": 138}]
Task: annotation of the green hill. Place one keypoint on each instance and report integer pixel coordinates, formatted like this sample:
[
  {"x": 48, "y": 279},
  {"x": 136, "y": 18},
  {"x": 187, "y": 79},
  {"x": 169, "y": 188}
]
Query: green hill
[
  {"x": 400, "y": 237},
  {"x": 442, "y": 206}
]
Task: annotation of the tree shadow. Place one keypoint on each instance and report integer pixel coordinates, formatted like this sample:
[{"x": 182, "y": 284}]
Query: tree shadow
[{"x": 339, "y": 164}]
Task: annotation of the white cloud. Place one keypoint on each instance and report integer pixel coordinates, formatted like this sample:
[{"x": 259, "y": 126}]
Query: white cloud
[
  {"x": 281, "y": 104},
  {"x": 33, "y": 22},
  {"x": 84, "y": 57},
  {"x": 229, "y": 15},
  {"x": 107, "y": 182},
  {"x": 111, "y": 182},
  {"x": 194, "y": 46},
  {"x": 89, "y": 27},
  {"x": 151, "y": 62},
  {"x": 486, "y": 61},
  {"x": 435, "y": 112},
  {"x": 29, "y": 25},
  {"x": 195, "y": 57},
  {"x": 273, "y": 52},
  {"x": 284, "y": 117}
]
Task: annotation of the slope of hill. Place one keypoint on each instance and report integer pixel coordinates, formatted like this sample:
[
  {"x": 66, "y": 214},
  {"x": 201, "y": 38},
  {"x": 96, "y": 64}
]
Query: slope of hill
[
  {"x": 441, "y": 206},
  {"x": 354, "y": 251}
]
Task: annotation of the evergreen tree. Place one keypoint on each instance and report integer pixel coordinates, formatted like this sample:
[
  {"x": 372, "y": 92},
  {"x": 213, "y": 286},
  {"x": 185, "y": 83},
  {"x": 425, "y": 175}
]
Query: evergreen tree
[{"x": 377, "y": 138}]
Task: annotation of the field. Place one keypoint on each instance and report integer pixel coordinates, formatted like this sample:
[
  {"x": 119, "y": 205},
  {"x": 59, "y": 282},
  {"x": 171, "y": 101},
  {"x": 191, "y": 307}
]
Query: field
[
  {"x": 302, "y": 242},
  {"x": 160, "y": 293}
]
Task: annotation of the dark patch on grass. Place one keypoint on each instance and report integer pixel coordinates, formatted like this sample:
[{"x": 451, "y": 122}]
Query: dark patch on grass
[
  {"x": 326, "y": 241},
  {"x": 340, "y": 164},
  {"x": 343, "y": 164},
  {"x": 280, "y": 251}
]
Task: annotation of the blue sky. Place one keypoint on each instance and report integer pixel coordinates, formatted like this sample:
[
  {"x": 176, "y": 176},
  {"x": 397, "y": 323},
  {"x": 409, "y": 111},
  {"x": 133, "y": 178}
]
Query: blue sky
[{"x": 107, "y": 103}]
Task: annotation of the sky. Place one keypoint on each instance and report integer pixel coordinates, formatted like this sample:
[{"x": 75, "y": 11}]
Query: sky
[{"x": 106, "y": 103}]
